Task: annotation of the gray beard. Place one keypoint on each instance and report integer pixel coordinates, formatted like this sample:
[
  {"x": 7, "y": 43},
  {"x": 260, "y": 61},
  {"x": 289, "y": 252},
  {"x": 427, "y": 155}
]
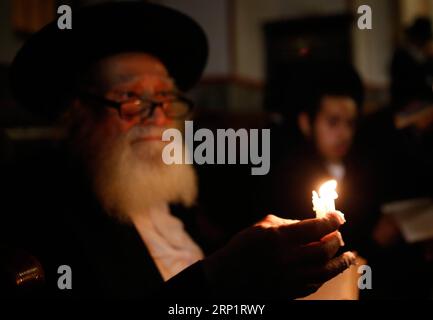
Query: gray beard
[{"x": 129, "y": 180}]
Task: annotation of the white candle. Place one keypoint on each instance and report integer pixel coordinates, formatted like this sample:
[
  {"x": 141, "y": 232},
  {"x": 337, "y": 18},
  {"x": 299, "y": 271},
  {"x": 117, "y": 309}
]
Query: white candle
[{"x": 323, "y": 202}]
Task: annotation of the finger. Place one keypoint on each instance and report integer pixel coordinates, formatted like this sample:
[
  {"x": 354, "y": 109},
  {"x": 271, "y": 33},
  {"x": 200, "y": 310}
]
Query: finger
[
  {"x": 311, "y": 230},
  {"x": 323, "y": 250},
  {"x": 331, "y": 269},
  {"x": 272, "y": 221}
]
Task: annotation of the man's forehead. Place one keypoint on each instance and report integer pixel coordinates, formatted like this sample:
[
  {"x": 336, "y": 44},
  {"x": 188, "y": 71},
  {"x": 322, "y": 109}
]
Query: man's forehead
[
  {"x": 138, "y": 79},
  {"x": 339, "y": 106},
  {"x": 127, "y": 68}
]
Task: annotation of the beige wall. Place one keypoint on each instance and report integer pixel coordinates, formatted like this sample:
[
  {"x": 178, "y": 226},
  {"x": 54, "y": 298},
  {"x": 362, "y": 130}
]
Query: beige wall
[
  {"x": 372, "y": 49},
  {"x": 412, "y": 8}
]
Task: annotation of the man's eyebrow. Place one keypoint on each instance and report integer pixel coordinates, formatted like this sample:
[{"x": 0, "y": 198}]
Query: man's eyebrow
[{"x": 124, "y": 79}]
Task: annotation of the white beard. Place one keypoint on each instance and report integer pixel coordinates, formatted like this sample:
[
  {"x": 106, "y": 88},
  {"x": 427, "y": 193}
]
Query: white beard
[{"x": 131, "y": 179}]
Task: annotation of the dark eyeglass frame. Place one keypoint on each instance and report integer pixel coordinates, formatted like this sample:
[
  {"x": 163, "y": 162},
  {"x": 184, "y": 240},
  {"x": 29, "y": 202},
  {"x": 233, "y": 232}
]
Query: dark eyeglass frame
[{"x": 177, "y": 96}]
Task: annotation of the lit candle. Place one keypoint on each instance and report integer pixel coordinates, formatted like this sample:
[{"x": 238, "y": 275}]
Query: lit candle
[{"x": 323, "y": 202}]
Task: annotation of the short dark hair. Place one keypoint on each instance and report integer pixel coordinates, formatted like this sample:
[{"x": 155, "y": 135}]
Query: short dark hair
[
  {"x": 299, "y": 86},
  {"x": 420, "y": 32},
  {"x": 329, "y": 80}
]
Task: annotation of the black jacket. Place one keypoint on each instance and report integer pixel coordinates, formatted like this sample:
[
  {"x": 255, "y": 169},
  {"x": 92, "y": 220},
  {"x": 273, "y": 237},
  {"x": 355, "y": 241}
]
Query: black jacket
[{"x": 50, "y": 212}]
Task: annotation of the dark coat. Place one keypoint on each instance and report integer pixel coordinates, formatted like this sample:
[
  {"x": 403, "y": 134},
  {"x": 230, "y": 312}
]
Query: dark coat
[{"x": 50, "y": 212}]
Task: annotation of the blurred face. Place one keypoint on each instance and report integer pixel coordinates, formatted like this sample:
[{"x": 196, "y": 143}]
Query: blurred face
[
  {"x": 123, "y": 154},
  {"x": 334, "y": 127},
  {"x": 124, "y": 77}
]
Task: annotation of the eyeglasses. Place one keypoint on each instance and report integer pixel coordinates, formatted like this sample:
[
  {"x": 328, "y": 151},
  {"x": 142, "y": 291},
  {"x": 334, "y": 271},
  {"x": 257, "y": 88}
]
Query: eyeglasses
[{"x": 173, "y": 104}]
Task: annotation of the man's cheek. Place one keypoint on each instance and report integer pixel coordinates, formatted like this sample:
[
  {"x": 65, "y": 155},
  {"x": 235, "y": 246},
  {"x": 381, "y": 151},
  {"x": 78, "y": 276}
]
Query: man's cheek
[
  {"x": 331, "y": 141},
  {"x": 112, "y": 124},
  {"x": 177, "y": 124},
  {"x": 125, "y": 126}
]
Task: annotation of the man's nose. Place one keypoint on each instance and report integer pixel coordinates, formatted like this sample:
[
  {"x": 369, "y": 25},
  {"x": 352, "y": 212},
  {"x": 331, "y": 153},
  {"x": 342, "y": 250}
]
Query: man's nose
[
  {"x": 346, "y": 133},
  {"x": 158, "y": 118}
]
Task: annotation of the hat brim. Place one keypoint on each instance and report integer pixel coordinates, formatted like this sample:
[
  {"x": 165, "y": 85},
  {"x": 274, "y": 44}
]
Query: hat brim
[{"x": 45, "y": 68}]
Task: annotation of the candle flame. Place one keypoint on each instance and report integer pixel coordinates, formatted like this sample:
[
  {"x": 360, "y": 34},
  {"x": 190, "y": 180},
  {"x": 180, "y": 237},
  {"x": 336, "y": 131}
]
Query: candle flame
[
  {"x": 323, "y": 202},
  {"x": 327, "y": 190}
]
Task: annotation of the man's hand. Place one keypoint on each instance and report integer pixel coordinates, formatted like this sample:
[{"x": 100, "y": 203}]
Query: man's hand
[{"x": 279, "y": 258}]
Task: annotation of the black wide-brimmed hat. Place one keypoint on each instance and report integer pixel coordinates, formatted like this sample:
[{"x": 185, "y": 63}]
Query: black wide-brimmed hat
[{"x": 45, "y": 68}]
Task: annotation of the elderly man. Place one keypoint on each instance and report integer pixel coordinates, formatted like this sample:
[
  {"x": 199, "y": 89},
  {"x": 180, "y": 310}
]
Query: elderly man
[{"x": 104, "y": 203}]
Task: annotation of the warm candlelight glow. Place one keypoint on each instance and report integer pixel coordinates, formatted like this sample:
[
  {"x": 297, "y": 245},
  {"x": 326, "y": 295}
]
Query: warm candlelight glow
[{"x": 324, "y": 201}]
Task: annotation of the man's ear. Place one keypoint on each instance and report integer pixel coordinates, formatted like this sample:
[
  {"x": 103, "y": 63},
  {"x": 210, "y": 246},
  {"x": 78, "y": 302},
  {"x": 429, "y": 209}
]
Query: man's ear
[{"x": 304, "y": 124}]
